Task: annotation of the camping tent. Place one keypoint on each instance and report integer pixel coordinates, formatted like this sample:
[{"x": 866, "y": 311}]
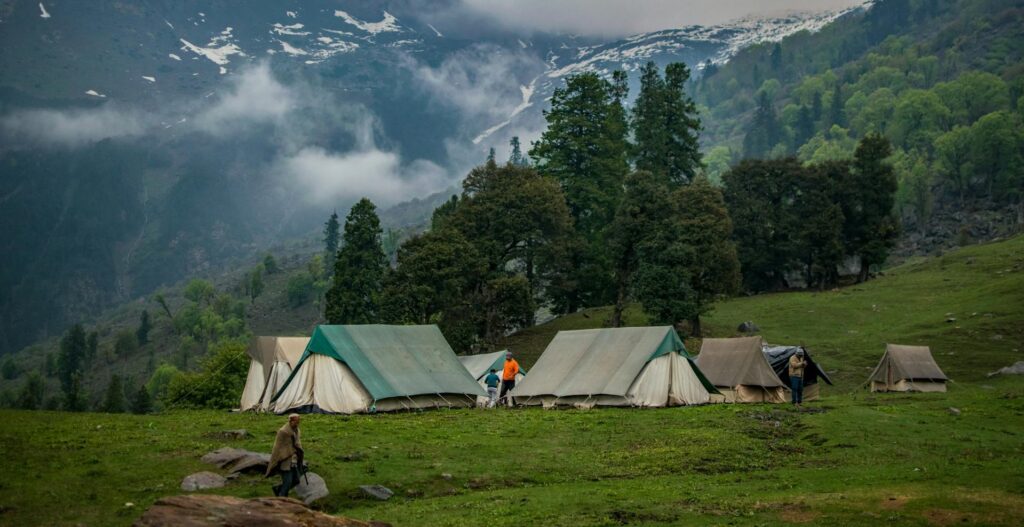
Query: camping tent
[
  {"x": 350, "y": 369},
  {"x": 907, "y": 369},
  {"x": 739, "y": 370},
  {"x": 480, "y": 365},
  {"x": 614, "y": 367},
  {"x": 272, "y": 361},
  {"x": 778, "y": 358}
]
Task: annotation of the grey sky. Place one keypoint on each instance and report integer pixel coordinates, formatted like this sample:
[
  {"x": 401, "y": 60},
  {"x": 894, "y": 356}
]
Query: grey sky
[{"x": 625, "y": 17}]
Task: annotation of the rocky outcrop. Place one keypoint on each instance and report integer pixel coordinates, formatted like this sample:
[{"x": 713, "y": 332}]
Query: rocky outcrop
[{"x": 228, "y": 511}]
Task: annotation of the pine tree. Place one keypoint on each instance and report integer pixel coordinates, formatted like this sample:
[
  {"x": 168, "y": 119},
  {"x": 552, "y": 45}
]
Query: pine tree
[
  {"x": 114, "y": 401},
  {"x": 92, "y": 346},
  {"x": 332, "y": 234},
  {"x": 584, "y": 149},
  {"x": 516, "y": 158},
  {"x": 142, "y": 334},
  {"x": 142, "y": 402},
  {"x": 776, "y": 57},
  {"x": 765, "y": 131},
  {"x": 359, "y": 269},
  {"x": 804, "y": 127},
  {"x": 836, "y": 111},
  {"x": 665, "y": 125},
  {"x": 818, "y": 235},
  {"x": 255, "y": 283},
  {"x": 70, "y": 361},
  {"x": 867, "y": 198}
]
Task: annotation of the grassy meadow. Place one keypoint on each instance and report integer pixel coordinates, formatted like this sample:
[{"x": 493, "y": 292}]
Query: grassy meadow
[{"x": 852, "y": 458}]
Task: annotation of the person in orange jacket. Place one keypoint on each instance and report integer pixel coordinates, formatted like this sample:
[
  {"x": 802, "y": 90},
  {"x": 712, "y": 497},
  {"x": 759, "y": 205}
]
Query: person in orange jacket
[{"x": 508, "y": 378}]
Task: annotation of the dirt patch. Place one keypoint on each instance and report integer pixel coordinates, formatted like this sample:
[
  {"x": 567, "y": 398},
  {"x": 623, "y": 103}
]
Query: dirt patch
[
  {"x": 799, "y": 516},
  {"x": 944, "y": 517},
  {"x": 893, "y": 503}
]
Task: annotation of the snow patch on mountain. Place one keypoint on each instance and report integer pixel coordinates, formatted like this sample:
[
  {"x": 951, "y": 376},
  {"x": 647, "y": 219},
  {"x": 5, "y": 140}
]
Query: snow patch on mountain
[
  {"x": 291, "y": 14},
  {"x": 173, "y": 56},
  {"x": 291, "y": 50},
  {"x": 95, "y": 93},
  {"x": 435, "y": 31},
  {"x": 150, "y": 79},
  {"x": 292, "y": 30},
  {"x": 388, "y": 24},
  {"x": 217, "y": 50},
  {"x": 43, "y": 13}
]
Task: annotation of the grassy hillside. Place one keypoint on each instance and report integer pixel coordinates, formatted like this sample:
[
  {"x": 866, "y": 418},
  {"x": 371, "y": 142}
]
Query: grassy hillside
[
  {"x": 854, "y": 458},
  {"x": 981, "y": 287}
]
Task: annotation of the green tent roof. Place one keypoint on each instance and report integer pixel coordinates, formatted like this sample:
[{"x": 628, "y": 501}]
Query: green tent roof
[{"x": 393, "y": 361}]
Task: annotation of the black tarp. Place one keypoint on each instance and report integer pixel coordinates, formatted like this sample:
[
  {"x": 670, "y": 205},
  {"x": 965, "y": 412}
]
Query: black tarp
[{"x": 778, "y": 357}]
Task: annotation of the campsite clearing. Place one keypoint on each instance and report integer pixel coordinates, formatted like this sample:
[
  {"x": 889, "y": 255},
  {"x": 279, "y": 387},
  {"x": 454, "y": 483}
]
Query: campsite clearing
[{"x": 858, "y": 459}]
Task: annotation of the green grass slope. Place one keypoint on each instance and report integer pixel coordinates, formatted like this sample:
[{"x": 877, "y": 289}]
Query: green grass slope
[
  {"x": 846, "y": 460},
  {"x": 981, "y": 287}
]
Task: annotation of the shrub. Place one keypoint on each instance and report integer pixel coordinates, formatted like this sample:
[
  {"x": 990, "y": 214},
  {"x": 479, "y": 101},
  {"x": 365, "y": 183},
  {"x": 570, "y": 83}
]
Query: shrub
[{"x": 217, "y": 385}]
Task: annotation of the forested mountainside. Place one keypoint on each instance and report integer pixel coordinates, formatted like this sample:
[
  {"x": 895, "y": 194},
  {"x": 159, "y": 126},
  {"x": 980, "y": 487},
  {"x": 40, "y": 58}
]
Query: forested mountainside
[
  {"x": 145, "y": 142},
  {"x": 942, "y": 79}
]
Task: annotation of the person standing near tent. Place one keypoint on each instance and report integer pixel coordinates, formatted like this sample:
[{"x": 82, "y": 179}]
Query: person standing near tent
[
  {"x": 796, "y": 376},
  {"x": 508, "y": 377},
  {"x": 284, "y": 459},
  {"x": 492, "y": 381}
]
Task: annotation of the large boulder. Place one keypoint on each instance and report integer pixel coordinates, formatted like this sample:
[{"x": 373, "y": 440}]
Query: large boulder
[
  {"x": 203, "y": 480},
  {"x": 311, "y": 487},
  {"x": 238, "y": 460},
  {"x": 203, "y": 510}
]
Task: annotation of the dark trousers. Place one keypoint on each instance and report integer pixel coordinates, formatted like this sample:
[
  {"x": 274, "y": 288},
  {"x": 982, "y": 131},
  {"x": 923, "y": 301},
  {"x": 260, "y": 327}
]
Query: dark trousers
[
  {"x": 506, "y": 386},
  {"x": 289, "y": 479},
  {"x": 796, "y": 385}
]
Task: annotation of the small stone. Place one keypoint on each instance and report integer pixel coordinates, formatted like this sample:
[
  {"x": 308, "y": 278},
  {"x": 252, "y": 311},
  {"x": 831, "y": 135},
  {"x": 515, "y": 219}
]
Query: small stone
[
  {"x": 953, "y": 411},
  {"x": 951, "y": 320},
  {"x": 202, "y": 480},
  {"x": 379, "y": 492},
  {"x": 446, "y": 476}
]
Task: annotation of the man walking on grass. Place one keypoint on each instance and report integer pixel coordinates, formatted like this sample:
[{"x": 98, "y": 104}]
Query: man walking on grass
[
  {"x": 492, "y": 381},
  {"x": 508, "y": 378},
  {"x": 796, "y": 376},
  {"x": 284, "y": 459}
]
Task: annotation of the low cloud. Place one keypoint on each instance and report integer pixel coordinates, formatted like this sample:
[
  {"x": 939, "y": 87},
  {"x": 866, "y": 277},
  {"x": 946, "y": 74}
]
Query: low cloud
[
  {"x": 255, "y": 96},
  {"x": 482, "y": 81},
  {"x": 626, "y": 17},
  {"x": 70, "y": 128},
  {"x": 326, "y": 177}
]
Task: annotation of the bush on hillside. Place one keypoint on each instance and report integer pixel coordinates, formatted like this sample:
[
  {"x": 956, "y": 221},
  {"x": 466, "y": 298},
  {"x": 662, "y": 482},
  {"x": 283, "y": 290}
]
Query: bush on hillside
[
  {"x": 300, "y": 289},
  {"x": 217, "y": 385}
]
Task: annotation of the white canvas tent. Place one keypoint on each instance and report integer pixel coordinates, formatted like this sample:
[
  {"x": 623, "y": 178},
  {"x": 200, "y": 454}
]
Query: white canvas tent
[
  {"x": 908, "y": 369},
  {"x": 645, "y": 367},
  {"x": 368, "y": 368},
  {"x": 272, "y": 359},
  {"x": 740, "y": 371},
  {"x": 480, "y": 365}
]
